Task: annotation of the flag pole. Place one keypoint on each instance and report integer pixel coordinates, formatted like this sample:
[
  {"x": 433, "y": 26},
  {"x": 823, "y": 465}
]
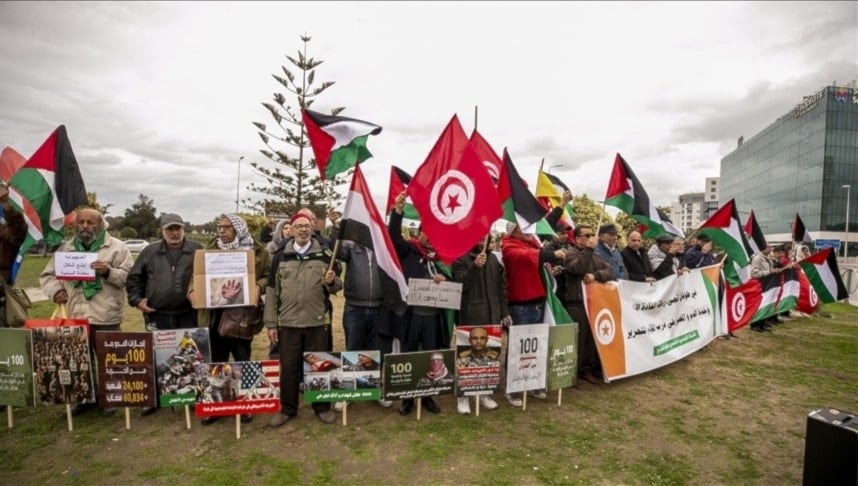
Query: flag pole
[{"x": 476, "y": 115}]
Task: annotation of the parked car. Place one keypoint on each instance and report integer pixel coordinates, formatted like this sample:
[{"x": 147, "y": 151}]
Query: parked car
[{"x": 136, "y": 246}]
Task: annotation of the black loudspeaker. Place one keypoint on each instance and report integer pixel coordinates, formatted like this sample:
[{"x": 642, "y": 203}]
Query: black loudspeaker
[{"x": 831, "y": 448}]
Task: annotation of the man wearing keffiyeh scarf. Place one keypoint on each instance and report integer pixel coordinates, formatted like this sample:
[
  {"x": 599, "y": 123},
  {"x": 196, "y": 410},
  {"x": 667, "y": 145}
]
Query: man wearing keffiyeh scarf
[
  {"x": 232, "y": 235},
  {"x": 100, "y": 300}
]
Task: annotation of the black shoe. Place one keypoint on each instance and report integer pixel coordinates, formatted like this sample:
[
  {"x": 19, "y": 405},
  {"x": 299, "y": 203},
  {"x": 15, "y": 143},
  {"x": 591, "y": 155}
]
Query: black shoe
[
  {"x": 209, "y": 420},
  {"x": 148, "y": 411},
  {"x": 246, "y": 419},
  {"x": 757, "y": 328},
  {"x": 80, "y": 408},
  {"x": 406, "y": 406},
  {"x": 733, "y": 336},
  {"x": 107, "y": 412},
  {"x": 767, "y": 327},
  {"x": 430, "y": 405}
]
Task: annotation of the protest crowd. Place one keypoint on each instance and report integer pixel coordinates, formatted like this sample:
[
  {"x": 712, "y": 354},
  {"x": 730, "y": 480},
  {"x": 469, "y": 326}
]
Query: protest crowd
[{"x": 544, "y": 264}]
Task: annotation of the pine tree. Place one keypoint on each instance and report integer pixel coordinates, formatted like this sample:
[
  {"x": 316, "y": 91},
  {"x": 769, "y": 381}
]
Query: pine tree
[{"x": 292, "y": 182}]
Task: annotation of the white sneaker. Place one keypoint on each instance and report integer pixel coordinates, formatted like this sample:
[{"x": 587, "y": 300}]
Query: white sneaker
[
  {"x": 540, "y": 394},
  {"x": 488, "y": 403},
  {"x": 385, "y": 403},
  {"x": 338, "y": 406},
  {"x": 514, "y": 401},
  {"x": 464, "y": 406}
]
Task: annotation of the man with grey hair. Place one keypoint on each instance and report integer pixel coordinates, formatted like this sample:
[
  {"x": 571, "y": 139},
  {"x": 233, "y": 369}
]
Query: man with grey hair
[
  {"x": 102, "y": 300},
  {"x": 159, "y": 279}
]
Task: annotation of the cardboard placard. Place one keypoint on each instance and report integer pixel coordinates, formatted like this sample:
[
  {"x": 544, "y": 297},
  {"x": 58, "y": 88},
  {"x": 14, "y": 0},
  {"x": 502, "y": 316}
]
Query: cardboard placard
[{"x": 224, "y": 278}]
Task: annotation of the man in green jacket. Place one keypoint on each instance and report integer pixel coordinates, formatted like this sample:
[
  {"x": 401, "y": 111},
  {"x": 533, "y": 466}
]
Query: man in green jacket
[{"x": 295, "y": 312}]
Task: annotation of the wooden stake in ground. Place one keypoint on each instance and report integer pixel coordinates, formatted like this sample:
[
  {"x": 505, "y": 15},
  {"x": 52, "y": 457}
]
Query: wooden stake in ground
[
  {"x": 69, "y": 417},
  {"x": 187, "y": 417},
  {"x": 345, "y": 413},
  {"x": 9, "y": 419},
  {"x": 419, "y": 407},
  {"x": 237, "y": 426},
  {"x": 127, "y": 418},
  {"x": 559, "y": 397},
  {"x": 476, "y": 405},
  {"x": 523, "y": 401}
]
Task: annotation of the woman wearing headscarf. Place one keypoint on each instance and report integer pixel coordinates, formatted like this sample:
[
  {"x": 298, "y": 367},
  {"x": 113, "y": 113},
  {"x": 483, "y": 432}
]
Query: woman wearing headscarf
[{"x": 232, "y": 235}]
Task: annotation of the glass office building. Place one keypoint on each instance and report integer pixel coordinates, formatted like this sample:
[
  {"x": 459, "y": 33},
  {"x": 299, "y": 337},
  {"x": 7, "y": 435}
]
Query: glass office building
[{"x": 799, "y": 164}]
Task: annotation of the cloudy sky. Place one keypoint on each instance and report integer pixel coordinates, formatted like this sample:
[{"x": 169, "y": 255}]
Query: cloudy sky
[{"x": 158, "y": 98}]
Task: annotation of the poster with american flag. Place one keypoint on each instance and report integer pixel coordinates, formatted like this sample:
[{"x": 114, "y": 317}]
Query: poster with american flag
[{"x": 238, "y": 388}]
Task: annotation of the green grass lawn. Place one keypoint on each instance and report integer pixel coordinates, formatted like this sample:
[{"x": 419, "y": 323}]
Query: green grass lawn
[{"x": 732, "y": 413}]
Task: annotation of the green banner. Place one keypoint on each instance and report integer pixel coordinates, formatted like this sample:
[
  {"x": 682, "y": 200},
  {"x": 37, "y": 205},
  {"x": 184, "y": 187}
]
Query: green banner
[
  {"x": 17, "y": 387},
  {"x": 562, "y": 355}
]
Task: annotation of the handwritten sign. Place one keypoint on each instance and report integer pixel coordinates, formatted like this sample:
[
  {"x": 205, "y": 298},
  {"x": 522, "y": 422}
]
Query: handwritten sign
[
  {"x": 241, "y": 387},
  {"x": 178, "y": 354},
  {"x": 17, "y": 387},
  {"x": 347, "y": 376},
  {"x": 527, "y": 357},
  {"x": 419, "y": 374},
  {"x": 562, "y": 356},
  {"x": 74, "y": 265},
  {"x": 126, "y": 369},
  {"x": 427, "y": 293},
  {"x": 478, "y": 350}
]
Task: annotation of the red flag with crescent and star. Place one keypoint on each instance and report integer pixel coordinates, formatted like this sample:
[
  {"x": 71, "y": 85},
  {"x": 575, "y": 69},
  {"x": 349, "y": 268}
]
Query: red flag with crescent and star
[{"x": 454, "y": 195}]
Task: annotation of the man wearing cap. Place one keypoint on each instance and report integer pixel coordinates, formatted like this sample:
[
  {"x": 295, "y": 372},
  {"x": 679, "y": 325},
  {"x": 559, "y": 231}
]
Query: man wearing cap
[
  {"x": 607, "y": 249},
  {"x": 664, "y": 256},
  {"x": 296, "y": 317},
  {"x": 700, "y": 255},
  {"x": 159, "y": 279}
]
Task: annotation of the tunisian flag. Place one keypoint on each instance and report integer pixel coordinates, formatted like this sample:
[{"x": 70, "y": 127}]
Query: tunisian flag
[
  {"x": 454, "y": 195},
  {"x": 741, "y": 303}
]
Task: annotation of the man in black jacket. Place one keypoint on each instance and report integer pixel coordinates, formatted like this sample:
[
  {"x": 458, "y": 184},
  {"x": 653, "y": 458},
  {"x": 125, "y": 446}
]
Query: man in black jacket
[
  {"x": 635, "y": 259},
  {"x": 158, "y": 282}
]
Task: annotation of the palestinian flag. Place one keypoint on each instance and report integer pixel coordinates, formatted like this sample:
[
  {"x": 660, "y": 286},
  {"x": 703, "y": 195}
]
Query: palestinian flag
[
  {"x": 549, "y": 192},
  {"x": 799, "y": 232},
  {"x": 10, "y": 162},
  {"x": 491, "y": 161},
  {"x": 821, "y": 269},
  {"x": 726, "y": 231},
  {"x": 399, "y": 180},
  {"x": 756, "y": 239},
  {"x": 339, "y": 143},
  {"x": 790, "y": 289},
  {"x": 771, "y": 290},
  {"x": 555, "y": 312},
  {"x": 363, "y": 224},
  {"x": 519, "y": 205},
  {"x": 46, "y": 189},
  {"x": 741, "y": 303},
  {"x": 626, "y": 193}
]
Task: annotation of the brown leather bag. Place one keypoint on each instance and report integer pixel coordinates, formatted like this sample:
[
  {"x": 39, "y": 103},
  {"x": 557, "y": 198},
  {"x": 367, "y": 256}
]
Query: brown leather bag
[{"x": 240, "y": 322}]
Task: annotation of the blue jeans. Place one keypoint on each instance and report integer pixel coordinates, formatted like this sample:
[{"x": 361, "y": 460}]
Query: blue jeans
[
  {"x": 527, "y": 314},
  {"x": 359, "y": 327}
]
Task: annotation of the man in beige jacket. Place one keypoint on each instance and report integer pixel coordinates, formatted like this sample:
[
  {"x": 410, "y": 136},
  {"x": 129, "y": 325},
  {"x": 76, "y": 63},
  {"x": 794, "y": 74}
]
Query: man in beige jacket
[{"x": 100, "y": 301}]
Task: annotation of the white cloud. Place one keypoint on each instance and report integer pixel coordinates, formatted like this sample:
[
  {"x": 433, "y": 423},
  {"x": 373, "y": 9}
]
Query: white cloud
[{"x": 159, "y": 98}]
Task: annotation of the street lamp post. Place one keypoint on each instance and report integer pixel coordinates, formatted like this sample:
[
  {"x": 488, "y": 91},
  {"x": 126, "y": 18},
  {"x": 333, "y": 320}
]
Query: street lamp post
[
  {"x": 238, "y": 183},
  {"x": 848, "y": 188}
]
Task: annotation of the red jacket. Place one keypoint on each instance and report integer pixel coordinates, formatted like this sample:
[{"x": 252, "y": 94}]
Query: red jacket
[{"x": 521, "y": 262}]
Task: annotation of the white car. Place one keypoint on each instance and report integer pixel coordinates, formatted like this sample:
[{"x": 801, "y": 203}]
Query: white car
[{"x": 136, "y": 246}]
